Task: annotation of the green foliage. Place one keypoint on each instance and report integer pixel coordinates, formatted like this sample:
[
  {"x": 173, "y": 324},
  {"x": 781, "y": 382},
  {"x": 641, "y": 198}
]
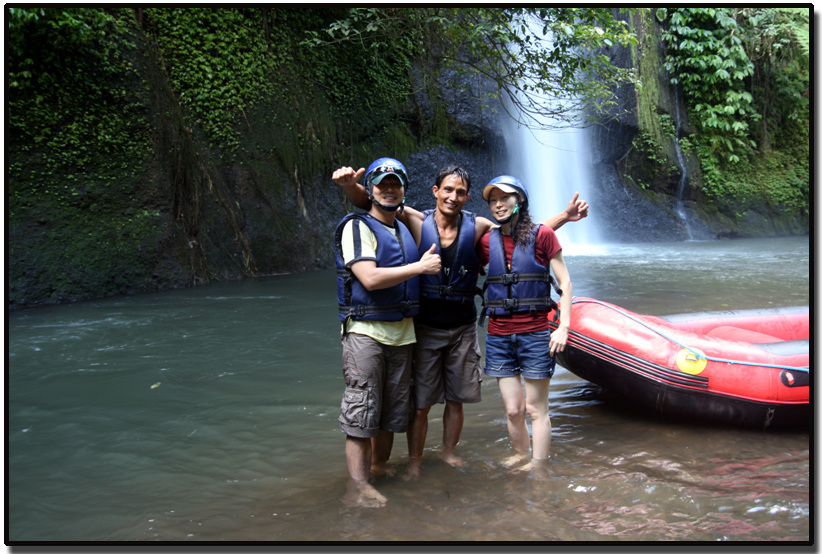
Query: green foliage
[
  {"x": 368, "y": 82},
  {"x": 651, "y": 150},
  {"x": 224, "y": 62},
  {"x": 549, "y": 61},
  {"x": 79, "y": 142},
  {"x": 71, "y": 106},
  {"x": 780, "y": 181},
  {"x": 652, "y": 168},
  {"x": 745, "y": 74},
  {"x": 42, "y": 40},
  {"x": 218, "y": 63},
  {"x": 708, "y": 58},
  {"x": 743, "y": 70}
]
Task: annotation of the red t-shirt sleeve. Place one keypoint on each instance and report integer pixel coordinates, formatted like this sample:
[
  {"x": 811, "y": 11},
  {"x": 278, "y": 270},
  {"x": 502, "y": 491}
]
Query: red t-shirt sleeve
[
  {"x": 482, "y": 249},
  {"x": 547, "y": 245}
]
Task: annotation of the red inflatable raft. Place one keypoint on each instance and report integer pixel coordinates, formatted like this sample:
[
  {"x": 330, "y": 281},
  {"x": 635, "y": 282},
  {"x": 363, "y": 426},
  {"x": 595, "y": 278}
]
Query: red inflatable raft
[{"x": 746, "y": 367}]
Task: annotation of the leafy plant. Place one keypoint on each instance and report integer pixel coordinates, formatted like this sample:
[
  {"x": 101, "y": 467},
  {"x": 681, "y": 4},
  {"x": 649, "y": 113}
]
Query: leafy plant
[
  {"x": 217, "y": 63},
  {"x": 708, "y": 58},
  {"x": 70, "y": 104},
  {"x": 546, "y": 61},
  {"x": 743, "y": 70}
]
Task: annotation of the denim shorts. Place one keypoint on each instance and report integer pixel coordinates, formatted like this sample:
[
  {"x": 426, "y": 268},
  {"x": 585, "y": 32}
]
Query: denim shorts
[{"x": 527, "y": 354}]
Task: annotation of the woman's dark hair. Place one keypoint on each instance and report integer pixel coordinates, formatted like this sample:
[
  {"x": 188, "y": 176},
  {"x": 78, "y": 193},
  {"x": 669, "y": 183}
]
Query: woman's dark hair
[
  {"x": 523, "y": 233},
  {"x": 453, "y": 170}
]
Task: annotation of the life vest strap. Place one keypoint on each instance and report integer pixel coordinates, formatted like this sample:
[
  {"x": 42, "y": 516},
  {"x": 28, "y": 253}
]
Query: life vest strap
[
  {"x": 353, "y": 312},
  {"x": 360, "y": 311},
  {"x": 534, "y": 305},
  {"x": 511, "y": 278},
  {"x": 514, "y": 303},
  {"x": 448, "y": 290}
]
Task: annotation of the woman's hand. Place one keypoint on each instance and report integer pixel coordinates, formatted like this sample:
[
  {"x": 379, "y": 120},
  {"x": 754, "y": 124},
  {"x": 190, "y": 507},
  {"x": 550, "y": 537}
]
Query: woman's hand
[{"x": 559, "y": 338}]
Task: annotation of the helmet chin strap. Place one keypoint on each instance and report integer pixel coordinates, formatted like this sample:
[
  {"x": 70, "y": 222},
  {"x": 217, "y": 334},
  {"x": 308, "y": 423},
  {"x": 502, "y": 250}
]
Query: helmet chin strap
[
  {"x": 514, "y": 212},
  {"x": 388, "y": 208}
]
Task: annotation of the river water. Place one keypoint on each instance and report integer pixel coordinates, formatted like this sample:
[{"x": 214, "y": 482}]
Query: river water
[{"x": 210, "y": 414}]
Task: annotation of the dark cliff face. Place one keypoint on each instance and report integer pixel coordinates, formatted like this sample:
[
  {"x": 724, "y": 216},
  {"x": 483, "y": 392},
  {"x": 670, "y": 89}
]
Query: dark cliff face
[{"x": 271, "y": 207}]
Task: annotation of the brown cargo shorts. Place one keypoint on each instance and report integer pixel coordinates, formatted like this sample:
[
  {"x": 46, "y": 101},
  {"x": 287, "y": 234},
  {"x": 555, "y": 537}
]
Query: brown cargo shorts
[
  {"x": 446, "y": 366},
  {"x": 377, "y": 386}
]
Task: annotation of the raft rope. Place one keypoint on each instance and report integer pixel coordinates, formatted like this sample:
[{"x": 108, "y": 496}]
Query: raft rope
[{"x": 689, "y": 349}]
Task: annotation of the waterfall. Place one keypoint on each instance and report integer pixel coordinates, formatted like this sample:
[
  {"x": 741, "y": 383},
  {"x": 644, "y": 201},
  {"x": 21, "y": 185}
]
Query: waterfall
[
  {"x": 554, "y": 164},
  {"x": 553, "y": 161},
  {"x": 683, "y": 180}
]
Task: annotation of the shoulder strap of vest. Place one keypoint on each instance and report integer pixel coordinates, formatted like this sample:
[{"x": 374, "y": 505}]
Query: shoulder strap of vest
[
  {"x": 407, "y": 308},
  {"x": 511, "y": 278}
]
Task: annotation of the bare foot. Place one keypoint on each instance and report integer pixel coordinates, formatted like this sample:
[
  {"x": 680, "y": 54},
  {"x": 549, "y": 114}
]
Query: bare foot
[
  {"x": 452, "y": 459},
  {"x": 382, "y": 470},
  {"x": 413, "y": 470},
  {"x": 516, "y": 459},
  {"x": 521, "y": 469},
  {"x": 539, "y": 468},
  {"x": 362, "y": 495}
]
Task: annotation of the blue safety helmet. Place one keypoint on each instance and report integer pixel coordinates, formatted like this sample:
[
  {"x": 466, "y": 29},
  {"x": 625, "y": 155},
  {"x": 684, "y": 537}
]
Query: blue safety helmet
[
  {"x": 510, "y": 185},
  {"x": 385, "y": 166},
  {"x": 377, "y": 171}
]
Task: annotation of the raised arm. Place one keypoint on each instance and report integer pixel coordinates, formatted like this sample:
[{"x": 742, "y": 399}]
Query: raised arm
[
  {"x": 574, "y": 211},
  {"x": 349, "y": 180}
]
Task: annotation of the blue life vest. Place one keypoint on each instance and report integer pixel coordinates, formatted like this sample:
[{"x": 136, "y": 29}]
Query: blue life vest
[
  {"x": 525, "y": 287},
  {"x": 457, "y": 283},
  {"x": 391, "y": 304}
]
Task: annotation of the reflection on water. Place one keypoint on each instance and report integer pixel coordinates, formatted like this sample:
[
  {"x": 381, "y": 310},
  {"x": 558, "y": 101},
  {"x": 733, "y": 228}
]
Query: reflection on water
[{"x": 211, "y": 414}]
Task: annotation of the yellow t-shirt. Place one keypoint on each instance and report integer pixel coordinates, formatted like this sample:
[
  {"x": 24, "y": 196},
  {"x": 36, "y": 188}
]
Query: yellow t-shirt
[{"x": 392, "y": 333}]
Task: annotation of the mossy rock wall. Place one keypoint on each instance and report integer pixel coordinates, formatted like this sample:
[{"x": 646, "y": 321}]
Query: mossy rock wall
[
  {"x": 656, "y": 146},
  {"x": 176, "y": 210},
  {"x": 120, "y": 191}
]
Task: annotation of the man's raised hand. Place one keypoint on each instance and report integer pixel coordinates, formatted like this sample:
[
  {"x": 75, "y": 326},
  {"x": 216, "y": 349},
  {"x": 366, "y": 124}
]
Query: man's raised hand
[{"x": 346, "y": 176}]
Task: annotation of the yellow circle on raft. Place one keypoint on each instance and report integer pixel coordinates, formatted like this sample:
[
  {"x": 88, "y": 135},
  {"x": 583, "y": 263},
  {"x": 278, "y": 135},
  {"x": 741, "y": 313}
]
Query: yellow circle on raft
[{"x": 691, "y": 360}]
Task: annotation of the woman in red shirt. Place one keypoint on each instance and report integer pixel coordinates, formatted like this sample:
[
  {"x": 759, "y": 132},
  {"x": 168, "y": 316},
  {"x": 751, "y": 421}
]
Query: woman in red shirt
[{"x": 520, "y": 347}]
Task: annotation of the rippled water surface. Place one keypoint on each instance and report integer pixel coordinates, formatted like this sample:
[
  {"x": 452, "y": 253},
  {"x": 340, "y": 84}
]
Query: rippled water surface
[{"x": 210, "y": 414}]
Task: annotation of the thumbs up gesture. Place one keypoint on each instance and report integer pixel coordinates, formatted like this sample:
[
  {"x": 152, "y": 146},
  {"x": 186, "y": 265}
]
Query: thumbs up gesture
[
  {"x": 347, "y": 176},
  {"x": 430, "y": 261}
]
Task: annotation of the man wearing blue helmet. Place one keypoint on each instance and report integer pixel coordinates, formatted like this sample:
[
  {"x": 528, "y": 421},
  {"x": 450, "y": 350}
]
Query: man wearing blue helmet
[
  {"x": 520, "y": 349},
  {"x": 447, "y": 353},
  {"x": 378, "y": 269}
]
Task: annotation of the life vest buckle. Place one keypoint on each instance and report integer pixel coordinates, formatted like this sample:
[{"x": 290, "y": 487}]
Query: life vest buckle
[
  {"x": 510, "y": 303},
  {"x": 510, "y": 278}
]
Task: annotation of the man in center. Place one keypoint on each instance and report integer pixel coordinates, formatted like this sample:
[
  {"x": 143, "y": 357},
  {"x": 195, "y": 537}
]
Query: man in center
[{"x": 447, "y": 354}]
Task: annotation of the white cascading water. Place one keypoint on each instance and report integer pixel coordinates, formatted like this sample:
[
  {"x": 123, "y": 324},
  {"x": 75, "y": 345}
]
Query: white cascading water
[
  {"x": 680, "y": 191},
  {"x": 554, "y": 164}
]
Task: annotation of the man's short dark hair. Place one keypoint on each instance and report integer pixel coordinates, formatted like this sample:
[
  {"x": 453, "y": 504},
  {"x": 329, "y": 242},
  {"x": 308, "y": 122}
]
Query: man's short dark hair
[{"x": 453, "y": 170}]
